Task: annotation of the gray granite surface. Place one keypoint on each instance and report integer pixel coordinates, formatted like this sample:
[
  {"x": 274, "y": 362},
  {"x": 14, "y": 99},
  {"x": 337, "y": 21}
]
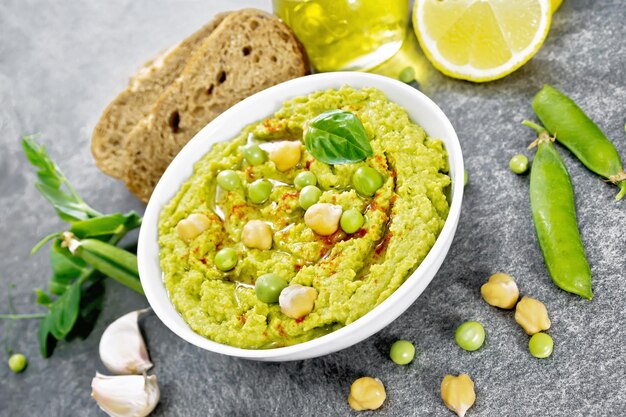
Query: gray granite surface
[{"x": 62, "y": 61}]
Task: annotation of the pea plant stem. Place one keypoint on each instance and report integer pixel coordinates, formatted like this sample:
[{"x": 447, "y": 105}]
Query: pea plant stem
[
  {"x": 534, "y": 126},
  {"x": 22, "y": 316}
]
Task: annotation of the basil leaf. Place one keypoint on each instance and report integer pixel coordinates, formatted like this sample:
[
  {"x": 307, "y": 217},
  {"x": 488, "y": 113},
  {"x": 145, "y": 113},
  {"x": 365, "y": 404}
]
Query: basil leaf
[
  {"x": 337, "y": 137},
  {"x": 64, "y": 312}
]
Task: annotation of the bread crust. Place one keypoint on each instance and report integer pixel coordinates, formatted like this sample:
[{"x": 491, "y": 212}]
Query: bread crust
[
  {"x": 108, "y": 142},
  {"x": 249, "y": 51}
]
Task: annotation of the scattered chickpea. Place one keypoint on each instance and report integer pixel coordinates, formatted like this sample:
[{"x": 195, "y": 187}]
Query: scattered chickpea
[
  {"x": 500, "y": 291},
  {"x": 191, "y": 227},
  {"x": 532, "y": 315},
  {"x": 286, "y": 154},
  {"x": 257, "y": 234},
  {"x": 367, "y": 393},
  {"x": 323, "y": 218},
  {"x": 457, "y": 393},
  {"x": 297, "y": 301}
]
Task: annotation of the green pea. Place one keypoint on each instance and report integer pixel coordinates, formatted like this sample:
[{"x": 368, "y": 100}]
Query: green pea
[
  {"x": 225, "y": 259},
  {"x": 519, "y": 164},
  {"x": 470, "y": 335},
  {"x": 254, "y": 154},
  {"x": 304, "y": 178},
  {"x": 228, "y": 180},
  {"x": 309, "y": 195},
  {"x": 367, "y": 181},
  {"x": 268, "y": 287},
  {"x": 540, "y": 345},
  {"x": 17, "y": 362},
  {"x": 407, "y": 75},
  {"x": 351, "y": 220},
  {"x": 465, "y": 177},
  {"x": 402, "y": 352},
  {"x": 259, "y": 191}
]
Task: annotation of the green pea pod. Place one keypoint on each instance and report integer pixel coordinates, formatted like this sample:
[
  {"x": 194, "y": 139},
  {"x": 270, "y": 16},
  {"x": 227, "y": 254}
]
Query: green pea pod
[
  {"x": 554, "y": 216},
  {"x": 578, "y": 133},
  {"x": 112, "y": 261}
]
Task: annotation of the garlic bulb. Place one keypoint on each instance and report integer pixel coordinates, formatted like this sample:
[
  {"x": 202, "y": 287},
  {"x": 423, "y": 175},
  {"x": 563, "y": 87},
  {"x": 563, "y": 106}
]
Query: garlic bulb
[
  {"x": 125, "y": 395},
  {"x": 122, "y": 349}
]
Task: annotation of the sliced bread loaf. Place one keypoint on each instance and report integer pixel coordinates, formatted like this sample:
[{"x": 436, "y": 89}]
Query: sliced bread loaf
[
  {"x": 134, "y": 103},
  {"x": 249, "y": 51}
]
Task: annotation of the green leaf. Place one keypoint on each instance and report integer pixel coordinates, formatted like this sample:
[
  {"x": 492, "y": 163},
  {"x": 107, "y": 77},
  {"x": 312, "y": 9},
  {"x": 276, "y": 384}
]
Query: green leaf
[
  {"x": 46, "y": 340},
  {"x": 64, "y": 312},
  {"x": 337, "y": 137},
  {"x": 43, "y": 299},
  {"x": 91, "y": 302},
  {"x": 65, "y": 268},
  {"x": 54, "y": 186}
]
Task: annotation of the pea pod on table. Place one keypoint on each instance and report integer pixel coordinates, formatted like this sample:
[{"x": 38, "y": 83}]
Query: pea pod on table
[
  {"x": 577, "y": 132},
  {"x": 554, "y": 216}
]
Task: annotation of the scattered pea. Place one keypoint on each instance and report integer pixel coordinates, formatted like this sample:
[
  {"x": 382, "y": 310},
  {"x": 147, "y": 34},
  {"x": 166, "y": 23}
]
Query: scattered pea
[
  {"x": 268, "y": 287},
  {"x": 309, "y": 195},
  {"x": 17, "y": 362},
  {"x": 259, "y": 191},
  {"x": 304, "y": 178},
  {"x": 407, "y": 75},
  {"x": 225, "y": 259},
  {"x": 367, "y": 180},
  {"x": 540, "y": 345},
  {"x": 402, "y": 352},
  {"x": 519, "y": 164},
  {"x": 228, "y": 180},
  {"x": 367, "y": 393},
  {"x": 254, "y": 154},
  {"x": 351, "y": 220},
  {"x": 470, "y": 335}
]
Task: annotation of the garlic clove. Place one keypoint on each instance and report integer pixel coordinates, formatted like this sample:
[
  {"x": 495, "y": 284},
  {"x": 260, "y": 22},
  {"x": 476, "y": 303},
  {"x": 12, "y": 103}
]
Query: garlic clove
[
  {"x": 122, "y": 348},
  {"x": 125, "y": 395}
]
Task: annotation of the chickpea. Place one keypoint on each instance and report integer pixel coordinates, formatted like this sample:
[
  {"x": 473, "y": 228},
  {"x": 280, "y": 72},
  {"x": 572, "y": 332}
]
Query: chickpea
[
  {"x": 286, "y": 154},
  {"x": 257, "y": 234},
  {"x": 323, "y": 218},
  {"x": 367, "y": 393},
  {"x": 457, "y": 393},
  {"x": 297, "y": 301},
  {"x": 500, "y": 291},
  {"x": 191, "y": 227},
  {"x": 532, "y": 315}
]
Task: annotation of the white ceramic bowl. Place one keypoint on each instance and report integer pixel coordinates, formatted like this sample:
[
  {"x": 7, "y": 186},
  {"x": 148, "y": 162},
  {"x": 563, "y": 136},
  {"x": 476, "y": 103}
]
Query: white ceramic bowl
[{"x": 420, "y": 108}]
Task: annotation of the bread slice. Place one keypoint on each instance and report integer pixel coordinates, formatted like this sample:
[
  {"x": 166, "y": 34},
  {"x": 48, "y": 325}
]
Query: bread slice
[
  {"x": 108, "y": 142},
  {"x": 250, "y": 51}
]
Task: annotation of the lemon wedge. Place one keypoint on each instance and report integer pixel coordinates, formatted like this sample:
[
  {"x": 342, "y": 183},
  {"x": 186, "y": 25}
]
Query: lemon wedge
[
  {"x": 556, "y": 4},
  {"x": 481, "y": 40}
]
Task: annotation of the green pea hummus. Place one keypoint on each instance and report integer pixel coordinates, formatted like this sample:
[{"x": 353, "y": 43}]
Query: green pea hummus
[{"x": 351, "y": 273}]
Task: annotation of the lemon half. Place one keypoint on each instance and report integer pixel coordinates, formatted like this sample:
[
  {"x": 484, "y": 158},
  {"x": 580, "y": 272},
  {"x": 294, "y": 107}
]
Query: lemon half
[{"x": 481, "y": 40}]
